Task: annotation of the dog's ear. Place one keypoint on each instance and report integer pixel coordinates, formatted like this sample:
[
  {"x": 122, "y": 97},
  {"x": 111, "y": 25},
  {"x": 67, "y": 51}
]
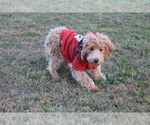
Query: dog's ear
[{"x": 109, "y": 48}]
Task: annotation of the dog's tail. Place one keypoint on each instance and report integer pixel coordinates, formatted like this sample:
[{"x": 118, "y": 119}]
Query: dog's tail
[{"x": 54, "y": 34}]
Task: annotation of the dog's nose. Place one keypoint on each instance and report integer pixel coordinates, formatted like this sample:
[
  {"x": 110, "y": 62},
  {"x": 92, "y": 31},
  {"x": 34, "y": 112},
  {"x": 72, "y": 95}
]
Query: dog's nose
[{"x": 96, "y": 60}]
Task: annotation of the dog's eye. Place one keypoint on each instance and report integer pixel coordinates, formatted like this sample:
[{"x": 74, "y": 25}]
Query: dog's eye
[
  {"x": 101, "y": 50},
  {"x": 91, "y": 49}
]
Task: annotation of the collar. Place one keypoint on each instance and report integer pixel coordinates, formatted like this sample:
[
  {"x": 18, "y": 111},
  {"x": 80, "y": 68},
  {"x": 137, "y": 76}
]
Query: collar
[
  {"x": 80, "y": 44},
  {"x": 79, "y": 38}
]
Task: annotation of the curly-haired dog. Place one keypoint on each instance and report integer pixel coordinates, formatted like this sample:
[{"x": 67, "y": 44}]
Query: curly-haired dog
[{"x": 64, "y": 46}]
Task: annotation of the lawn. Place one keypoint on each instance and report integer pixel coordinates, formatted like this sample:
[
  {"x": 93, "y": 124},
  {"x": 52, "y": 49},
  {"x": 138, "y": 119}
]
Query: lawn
[{"x": 26, "y": 85}]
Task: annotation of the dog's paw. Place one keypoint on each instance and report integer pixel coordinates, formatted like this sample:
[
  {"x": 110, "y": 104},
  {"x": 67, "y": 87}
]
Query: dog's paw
[
  {"x": 94, "y": 89},
  {"x": 55, "y": 77},
  {"x": 102, "y": 76}
]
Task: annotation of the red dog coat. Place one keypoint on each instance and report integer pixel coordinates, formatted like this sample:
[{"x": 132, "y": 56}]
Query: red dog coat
[{"x": 69, "y": 46}]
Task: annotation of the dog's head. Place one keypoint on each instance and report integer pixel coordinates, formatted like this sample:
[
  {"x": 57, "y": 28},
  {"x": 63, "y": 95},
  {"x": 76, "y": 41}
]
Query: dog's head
[{"x": 97, "y": 48}]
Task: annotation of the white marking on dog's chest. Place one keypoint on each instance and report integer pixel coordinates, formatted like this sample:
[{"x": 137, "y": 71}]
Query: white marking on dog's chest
[{"x": 78, "y": 37}]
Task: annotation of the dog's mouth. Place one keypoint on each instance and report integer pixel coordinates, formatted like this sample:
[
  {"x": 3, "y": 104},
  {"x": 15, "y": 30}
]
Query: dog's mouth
[{"x": 95, "y": 62}]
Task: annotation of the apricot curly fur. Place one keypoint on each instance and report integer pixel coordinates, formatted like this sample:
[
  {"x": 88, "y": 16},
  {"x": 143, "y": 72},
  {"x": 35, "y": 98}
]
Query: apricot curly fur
[{"x": 96, "y": 46}]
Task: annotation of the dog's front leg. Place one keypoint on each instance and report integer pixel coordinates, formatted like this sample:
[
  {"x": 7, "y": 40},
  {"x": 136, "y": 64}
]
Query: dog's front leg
[
  {"x": 97, "y": 73},
  {"x": 84, "y": 80}
]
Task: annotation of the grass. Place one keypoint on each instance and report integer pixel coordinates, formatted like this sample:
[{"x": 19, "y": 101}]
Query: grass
[
  {"x": 74, "y": 6},
  {"x": 26, "y": 85}
]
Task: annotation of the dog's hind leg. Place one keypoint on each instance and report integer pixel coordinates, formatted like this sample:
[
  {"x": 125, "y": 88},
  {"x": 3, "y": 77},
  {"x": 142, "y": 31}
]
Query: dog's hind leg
[
  {"x": 84, "y": 80},
  {"x": 53, "y": 51},
  {"x": 53, "y": 65},
  {"x": 53, "y": 55}
]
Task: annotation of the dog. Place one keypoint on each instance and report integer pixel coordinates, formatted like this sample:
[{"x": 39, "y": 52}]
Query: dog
[{"x": 78, "y": 53}]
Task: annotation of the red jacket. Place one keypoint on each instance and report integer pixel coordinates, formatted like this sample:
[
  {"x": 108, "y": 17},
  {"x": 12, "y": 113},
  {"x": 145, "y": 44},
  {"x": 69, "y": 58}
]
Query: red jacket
[{"x": 69, "y": 47}]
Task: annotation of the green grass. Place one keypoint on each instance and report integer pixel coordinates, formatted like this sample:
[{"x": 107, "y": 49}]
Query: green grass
[
  {"x": 74, "y": 6},
  {"x": 26, "y": 85}
]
